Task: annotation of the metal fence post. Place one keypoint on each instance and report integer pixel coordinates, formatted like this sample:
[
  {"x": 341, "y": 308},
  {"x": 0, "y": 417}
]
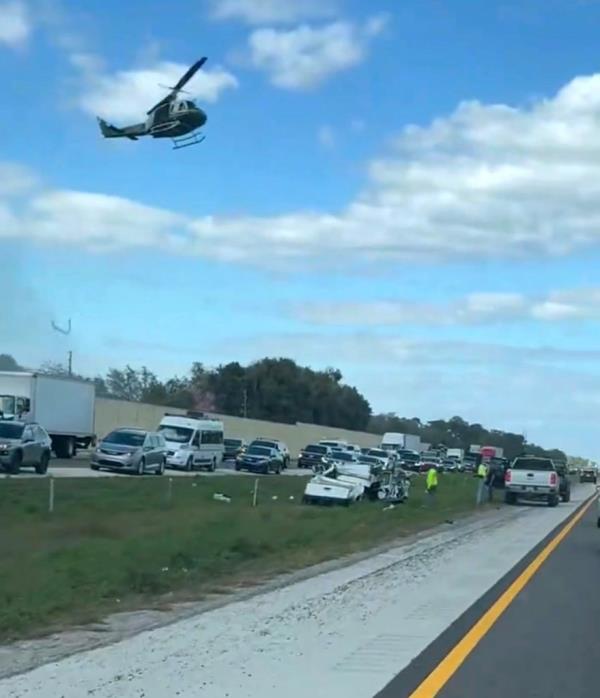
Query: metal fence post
[
  {"x": 255, "y": 493},
  {"x": 51, "y": 496}
]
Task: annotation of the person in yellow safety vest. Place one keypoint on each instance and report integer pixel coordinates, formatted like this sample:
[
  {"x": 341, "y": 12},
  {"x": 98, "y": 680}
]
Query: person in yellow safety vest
[
  {"x": 482, "y": 473},
  {"x": 432, "y": 483}
]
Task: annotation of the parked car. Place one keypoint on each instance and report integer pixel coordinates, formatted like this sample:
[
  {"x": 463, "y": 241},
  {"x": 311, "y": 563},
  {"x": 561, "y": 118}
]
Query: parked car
[
  {"x": 564, "y": 481},
  {"x": 131, "y": 451},
  {"x": 343, "y": 457},
  {"x": 232, "y": 448},
  {"x": 24, "y": 444},
  {"x": 313, "y": 455},
  {"x": 386, "y": 456},
  {"x": 279, "y": 446},
  {"x": 260, "y": 459},
  {"x": 532, "y": 478},
  {"x": 588, "y": 474}
]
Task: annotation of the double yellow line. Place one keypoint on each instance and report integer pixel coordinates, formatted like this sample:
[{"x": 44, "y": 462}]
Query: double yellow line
[{"x": 444, "y": 671}]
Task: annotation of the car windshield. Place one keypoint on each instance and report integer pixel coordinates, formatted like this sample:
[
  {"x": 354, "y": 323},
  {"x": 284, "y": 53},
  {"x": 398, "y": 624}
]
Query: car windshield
[
  {"x": 178, "y": 435},
  {"x": 259, "y": 451},
  {"x": 125, "y": 438},
  {"x": 332, "y": 444},
  {"x": 235, "y": 443},
  {"x": 533, "y": 464},
  {"x": 8, "y": 430},
  {"x": 313, "y": 448},
  {"x": 370, "y": 460}
]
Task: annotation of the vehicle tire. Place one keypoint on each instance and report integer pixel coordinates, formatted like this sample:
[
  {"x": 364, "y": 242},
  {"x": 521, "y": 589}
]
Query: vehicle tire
[
  {"x": 278, "y": 470},
  {"x": 598, "y": 522},
  {"x": 553, "y": 500},
  {"x": 42, "y": 467},
  {"x": 213, "y": 466},
  {"x": 15, "y": 463},
  {"x": 161, "y": 468},
  {"x": 189, "y": 466},
  {"x": 141, "y": 469},
  {"x": 286, "y": 463},
  {"x": 566, "y": 496},
  {"x": 95, "y": 467},
  {"x": 510, "y": 498},
  {"x": 265, "y": 470},
  {"x": 237, "y": 467}
]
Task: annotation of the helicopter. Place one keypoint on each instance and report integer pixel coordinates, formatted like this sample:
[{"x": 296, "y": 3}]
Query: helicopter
[{"x": 172, "y": 117}]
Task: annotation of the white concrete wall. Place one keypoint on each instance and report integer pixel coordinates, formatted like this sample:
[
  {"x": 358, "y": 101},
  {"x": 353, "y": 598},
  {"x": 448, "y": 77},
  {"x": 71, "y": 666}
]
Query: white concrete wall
[{"x": 117, "y": 413}]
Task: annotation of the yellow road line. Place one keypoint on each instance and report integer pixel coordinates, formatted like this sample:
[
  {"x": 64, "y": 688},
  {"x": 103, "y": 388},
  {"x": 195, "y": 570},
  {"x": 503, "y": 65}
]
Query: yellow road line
[{"x": 444, "y": 671}]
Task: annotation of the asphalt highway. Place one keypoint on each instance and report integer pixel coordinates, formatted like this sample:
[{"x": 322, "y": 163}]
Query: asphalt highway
[{"x": 544, "y": 645}]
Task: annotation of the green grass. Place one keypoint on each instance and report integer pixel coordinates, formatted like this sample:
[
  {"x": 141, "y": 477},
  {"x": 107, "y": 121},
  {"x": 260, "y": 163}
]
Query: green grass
[{"x": 114, "y": 543}]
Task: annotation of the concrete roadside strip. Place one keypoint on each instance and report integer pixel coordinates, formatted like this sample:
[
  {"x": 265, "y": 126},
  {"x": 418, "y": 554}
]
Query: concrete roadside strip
[{"x": 343, "y": 628}]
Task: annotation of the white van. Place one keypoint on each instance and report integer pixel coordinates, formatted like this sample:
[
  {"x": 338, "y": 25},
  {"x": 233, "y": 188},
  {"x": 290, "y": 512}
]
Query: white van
[{"x": 193, "y": 441}]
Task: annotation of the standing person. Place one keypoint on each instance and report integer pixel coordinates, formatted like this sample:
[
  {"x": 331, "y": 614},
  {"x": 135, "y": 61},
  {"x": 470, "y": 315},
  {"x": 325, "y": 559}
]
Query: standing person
[
  {"x": 482, "y": 473},
  {"x": 492, "y": 474},
  {"x": 431, "y": 483}
]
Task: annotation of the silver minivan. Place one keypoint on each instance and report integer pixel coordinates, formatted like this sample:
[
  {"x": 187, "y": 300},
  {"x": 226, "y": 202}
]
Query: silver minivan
[{"x": 129, "y": 450}]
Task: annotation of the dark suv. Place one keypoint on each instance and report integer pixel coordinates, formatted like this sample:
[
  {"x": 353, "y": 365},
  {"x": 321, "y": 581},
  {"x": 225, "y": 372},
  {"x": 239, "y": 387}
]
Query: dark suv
[
  {"x": 24, "y": 444},
  {"x": 313, "y": 455}
]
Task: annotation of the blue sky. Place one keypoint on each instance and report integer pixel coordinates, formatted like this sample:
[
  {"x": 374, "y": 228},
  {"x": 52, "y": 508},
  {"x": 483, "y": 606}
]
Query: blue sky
[{"x": 409, "y": 191}]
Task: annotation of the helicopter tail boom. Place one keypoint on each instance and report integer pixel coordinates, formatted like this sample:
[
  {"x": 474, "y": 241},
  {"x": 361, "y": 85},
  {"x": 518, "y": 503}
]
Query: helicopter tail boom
[{"x": 131, "y": 132}]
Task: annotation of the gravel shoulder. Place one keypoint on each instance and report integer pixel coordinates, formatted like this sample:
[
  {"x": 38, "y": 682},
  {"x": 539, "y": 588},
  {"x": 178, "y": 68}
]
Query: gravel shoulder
[{"x": 347, "y": 625}]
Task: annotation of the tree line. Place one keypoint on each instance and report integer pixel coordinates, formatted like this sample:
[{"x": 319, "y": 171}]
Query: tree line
[{"x": 279, "y": 390}]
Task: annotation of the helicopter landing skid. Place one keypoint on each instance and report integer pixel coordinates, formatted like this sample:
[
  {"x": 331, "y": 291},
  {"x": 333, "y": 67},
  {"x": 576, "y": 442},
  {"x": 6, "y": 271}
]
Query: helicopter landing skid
[{"x": 186, "y": 141}]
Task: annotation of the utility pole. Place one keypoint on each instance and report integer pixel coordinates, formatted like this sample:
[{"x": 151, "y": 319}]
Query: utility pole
[
  {"x": 70, "y": 363},
  {"x": 66, "y": 331}
]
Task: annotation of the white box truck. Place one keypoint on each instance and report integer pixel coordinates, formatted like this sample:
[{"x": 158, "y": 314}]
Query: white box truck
[
  {"x": 394, "y": 441},
  {"x": 65, "y": 407}
]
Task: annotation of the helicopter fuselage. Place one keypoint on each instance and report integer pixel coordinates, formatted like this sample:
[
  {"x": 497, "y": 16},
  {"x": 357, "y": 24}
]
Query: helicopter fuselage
[{"x": 176, "y": 119}]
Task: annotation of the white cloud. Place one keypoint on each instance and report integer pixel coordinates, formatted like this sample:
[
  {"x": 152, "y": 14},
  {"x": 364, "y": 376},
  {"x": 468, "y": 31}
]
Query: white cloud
[
  {"x": 273, "y": 11},
  {"x": 473, "y": 309},
  {"x": 487, "y": 182},
  {"x": 326, "y": 136},
  {"x": 127, "y": 94},
  {"x": 304, "y": 57},
  {"x": 15, "y": 23}
]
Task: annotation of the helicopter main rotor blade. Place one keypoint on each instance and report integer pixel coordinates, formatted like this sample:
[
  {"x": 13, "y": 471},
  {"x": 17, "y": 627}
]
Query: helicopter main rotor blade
[{"x": 188, "y": 75}]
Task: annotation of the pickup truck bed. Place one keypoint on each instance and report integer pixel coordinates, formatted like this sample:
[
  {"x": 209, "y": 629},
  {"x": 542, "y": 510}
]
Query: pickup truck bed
[{"x": 532, "y": 478}]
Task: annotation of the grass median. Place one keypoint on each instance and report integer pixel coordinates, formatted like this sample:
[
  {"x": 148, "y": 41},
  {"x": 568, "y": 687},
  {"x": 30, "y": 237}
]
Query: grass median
[{"x": 119, "y": 543}]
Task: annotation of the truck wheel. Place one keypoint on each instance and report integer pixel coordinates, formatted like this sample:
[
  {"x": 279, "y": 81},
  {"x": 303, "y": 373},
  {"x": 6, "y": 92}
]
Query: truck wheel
[
  {"x": 189, "y": 466},
  {"x": 598, "y": 522},
  {"x": 510, "y": 498},
  {"x": 213, "y": 466},
  {"x": 15, "y": 463},
  {"x": 64, "y": 447},
  {"x": 566, "y": 497},
  {"x": 42, "y": 467},
  {"x": 553, "y": 500}
]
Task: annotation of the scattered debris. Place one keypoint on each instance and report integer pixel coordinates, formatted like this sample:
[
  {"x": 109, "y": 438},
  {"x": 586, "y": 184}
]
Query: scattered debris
[{"x": 220, "y": 497}]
